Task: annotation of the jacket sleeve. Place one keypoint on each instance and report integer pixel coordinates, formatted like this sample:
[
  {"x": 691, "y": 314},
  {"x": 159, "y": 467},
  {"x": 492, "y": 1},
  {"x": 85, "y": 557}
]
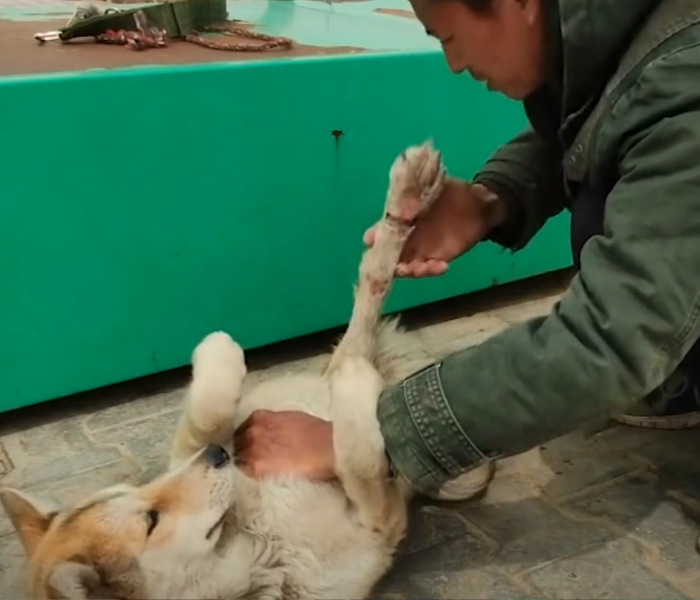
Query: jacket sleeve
[
  {"x": 525, "y": 173},
  {"x": 629, "y": 317}
]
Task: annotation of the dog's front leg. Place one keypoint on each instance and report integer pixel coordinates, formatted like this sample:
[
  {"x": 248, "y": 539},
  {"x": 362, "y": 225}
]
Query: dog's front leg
[
  {"x": 360, "y": 461},
  {"x": 218, "y": 370},
  {"x": 416, "y": 179}
]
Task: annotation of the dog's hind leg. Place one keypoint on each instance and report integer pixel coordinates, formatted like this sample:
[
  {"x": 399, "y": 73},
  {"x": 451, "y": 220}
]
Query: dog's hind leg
[
  {"x": 416, "y": 179},
  {"x": 218, "y": 370},
  {"x": 360, "y": 462}
]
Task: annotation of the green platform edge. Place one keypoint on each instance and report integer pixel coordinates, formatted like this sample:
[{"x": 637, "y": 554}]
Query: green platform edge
[{"x": 144, "y": 208}]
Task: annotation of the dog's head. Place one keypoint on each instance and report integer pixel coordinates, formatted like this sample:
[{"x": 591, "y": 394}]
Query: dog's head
[{"x": 130, "y": 542}]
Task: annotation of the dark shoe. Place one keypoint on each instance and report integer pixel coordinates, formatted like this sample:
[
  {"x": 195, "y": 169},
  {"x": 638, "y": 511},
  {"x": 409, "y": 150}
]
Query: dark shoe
[{"x": 675, "y": 405}]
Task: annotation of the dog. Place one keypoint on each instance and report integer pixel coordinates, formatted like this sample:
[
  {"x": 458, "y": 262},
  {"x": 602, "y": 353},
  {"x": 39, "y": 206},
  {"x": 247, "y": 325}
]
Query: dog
[{"x": 205, "y": 529}]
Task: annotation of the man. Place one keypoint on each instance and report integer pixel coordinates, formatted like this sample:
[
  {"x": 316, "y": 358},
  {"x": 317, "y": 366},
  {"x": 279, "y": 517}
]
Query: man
[{"x": 613, "y": 102}]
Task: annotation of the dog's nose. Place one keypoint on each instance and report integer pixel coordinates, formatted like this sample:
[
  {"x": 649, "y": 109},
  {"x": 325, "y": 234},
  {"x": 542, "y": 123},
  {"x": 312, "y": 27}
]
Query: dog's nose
[{"x": 216, "y": 456}]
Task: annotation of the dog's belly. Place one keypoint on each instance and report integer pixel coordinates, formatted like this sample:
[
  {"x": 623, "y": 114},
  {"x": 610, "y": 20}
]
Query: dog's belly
[
  {"x": 307, "y": 392},
  {"x": 331, "y": 555}
]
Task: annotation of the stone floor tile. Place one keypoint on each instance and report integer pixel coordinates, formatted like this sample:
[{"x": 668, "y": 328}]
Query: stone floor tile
[
  {"x": 12, "y": 568},
  {"x": 447, "y": 337},
  {"x": 457, "y": 568},
  {"x": 32, "y": 468},
  {"x": 579, "y": 461},
  {"x": 145, "y": 441},
  {"x": 64, "y": 491},
  {"x": 151, "y": 407},
  {"x": 674, "y": 456},
  {"x": 529, "y": 531},
  {"x": 467, "y": 584},
  {"x": 431, "y": 525},
  {"x": 640, "y": 506},
  {"x": 608, "y": 570}
]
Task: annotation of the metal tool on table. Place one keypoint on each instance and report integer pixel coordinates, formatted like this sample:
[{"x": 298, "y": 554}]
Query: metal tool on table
[{"x": 151, "y": 27}]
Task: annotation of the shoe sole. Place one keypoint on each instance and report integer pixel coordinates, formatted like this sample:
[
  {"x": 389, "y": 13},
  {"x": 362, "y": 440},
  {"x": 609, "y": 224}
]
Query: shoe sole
[{"x": 686, "y": 421}]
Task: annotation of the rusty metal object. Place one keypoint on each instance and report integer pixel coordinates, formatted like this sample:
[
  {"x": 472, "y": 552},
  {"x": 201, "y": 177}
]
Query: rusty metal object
[
  {"x": 269, "y": 42},
  {"x": 175, "y": 20},
  {"x": 132, "y": 39},
  {"x": 145, "y": 37}
]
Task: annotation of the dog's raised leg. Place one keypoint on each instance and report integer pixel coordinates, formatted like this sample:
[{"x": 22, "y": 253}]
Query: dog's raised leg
[
  {"x": 218, "y": 370},
  {"x": 416, "y": 179}
]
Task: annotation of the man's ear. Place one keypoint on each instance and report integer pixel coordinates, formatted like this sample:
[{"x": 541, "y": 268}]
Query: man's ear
[{"x": 29, "y": 517}]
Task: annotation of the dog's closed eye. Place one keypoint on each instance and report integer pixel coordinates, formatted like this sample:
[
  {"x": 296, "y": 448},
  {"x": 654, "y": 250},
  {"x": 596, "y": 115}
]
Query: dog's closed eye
[{"x": 152, "y": 518}]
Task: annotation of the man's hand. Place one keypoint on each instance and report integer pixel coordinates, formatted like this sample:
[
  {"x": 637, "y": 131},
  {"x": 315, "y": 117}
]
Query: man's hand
[
  {"x": 273, "y": 443},
  {"x": 462, "y": 216}
]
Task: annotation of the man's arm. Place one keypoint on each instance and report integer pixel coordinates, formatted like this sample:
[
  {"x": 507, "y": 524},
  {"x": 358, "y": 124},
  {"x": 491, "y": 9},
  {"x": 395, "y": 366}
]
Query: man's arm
[
  {"x": 624, "y": 326},
  {"x": 525, "y": 174}
]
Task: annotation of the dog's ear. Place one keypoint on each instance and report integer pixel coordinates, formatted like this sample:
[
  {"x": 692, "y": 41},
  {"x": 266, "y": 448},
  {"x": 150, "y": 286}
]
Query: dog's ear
[
  {"x": 30, "y": 518},
  {"x": 73, "y": 581}
]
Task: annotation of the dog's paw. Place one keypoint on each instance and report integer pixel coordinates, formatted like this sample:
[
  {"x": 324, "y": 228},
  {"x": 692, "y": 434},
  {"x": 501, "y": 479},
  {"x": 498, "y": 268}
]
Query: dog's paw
[
  {"x": 218, "y": 349},
  {"x": 416, "y": 179},
  {"x": 466, "y": 486},
  {"x": 218, "y": 370}
]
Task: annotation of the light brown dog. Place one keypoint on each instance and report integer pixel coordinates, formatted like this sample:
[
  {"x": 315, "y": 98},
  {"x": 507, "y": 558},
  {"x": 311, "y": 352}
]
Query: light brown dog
[{"x": 206, "y": 530}]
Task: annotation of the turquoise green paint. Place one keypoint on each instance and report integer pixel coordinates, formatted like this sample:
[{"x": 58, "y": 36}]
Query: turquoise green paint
[{"x": 143, "y": 208}]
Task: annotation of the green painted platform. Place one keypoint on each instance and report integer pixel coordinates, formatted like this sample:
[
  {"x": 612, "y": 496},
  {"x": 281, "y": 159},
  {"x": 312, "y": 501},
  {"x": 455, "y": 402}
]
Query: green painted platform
[{"x": 145, "y": 206}]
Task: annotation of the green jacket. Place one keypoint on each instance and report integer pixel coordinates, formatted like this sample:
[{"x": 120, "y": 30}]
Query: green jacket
[{"x": 633, "y": 310}]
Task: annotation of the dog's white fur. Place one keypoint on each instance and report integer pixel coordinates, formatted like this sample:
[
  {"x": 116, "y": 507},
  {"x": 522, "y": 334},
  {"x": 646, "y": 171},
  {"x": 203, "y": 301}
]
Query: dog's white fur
[{"x": 280, "y": 538}]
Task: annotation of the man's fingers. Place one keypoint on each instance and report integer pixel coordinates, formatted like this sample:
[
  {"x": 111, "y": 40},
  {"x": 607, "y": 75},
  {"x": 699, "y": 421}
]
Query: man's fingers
[
  {"x": 423, "y": 268},
  {"x": 258, "y": 418},
  {"x": 437, "y": 267},
  {"x": 241, "y": 442},
  {"x": 248, "y": 468},
  {"x": 247, "y": 461},
  {"x": 259, "y": 469},
  {"x": 252, "y": 431},
  {"x": 402, "y": 270},
  {"x": 241, "y": 456},
  {"x": 243, "y": 428},
  {"x": 420, "y": 269}
]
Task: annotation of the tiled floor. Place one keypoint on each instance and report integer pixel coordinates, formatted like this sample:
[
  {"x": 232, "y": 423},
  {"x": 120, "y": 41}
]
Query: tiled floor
[{"x": 606, "y": 515}]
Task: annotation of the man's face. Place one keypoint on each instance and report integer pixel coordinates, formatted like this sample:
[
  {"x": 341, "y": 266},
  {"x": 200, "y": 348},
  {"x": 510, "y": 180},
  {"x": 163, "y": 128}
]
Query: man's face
[{"x": 503, "y": 46}]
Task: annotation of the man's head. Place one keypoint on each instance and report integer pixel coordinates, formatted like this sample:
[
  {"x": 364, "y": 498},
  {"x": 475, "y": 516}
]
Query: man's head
[{"x": 500, "y": 42}]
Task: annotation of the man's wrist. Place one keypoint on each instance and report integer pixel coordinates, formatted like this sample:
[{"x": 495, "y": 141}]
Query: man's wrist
[{"x": 494, "y": 209}]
